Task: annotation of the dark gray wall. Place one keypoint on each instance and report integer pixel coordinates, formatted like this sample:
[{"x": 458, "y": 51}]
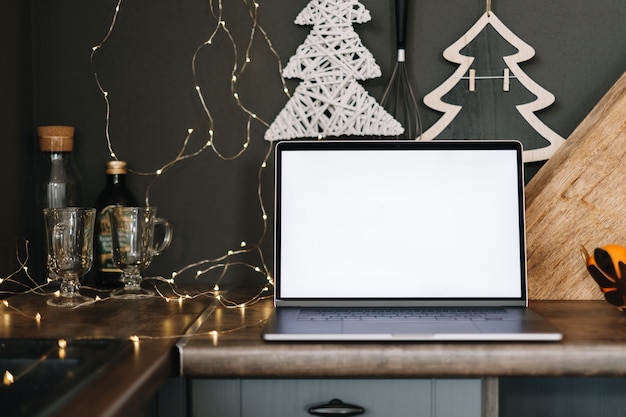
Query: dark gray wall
[
  {"x": 16, "y": 128},
  {"x": 146, "y": 68}
]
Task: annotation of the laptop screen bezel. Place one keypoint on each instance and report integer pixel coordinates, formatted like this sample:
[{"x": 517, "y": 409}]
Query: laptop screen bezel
[{"x": 307, "y": 145}]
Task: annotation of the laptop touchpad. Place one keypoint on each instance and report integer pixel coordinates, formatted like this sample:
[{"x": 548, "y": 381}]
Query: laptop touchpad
[{"x": 367, "y": 327}]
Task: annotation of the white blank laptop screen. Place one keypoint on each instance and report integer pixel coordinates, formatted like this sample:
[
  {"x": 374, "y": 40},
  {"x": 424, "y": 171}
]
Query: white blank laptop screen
[{"x": 400, "y": 224}]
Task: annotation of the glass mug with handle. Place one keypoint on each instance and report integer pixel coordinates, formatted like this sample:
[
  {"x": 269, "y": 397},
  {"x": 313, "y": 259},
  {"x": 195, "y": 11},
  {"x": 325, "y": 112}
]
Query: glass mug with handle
[
  {"x": 69, "y": 242},
  {"x": 134, "y": 246}
]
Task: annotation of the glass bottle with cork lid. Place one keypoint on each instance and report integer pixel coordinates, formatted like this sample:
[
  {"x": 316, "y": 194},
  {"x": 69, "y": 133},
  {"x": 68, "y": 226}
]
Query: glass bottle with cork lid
[
  {"x": 115, "y": 193},
  {"x": 57, "y": 183}
]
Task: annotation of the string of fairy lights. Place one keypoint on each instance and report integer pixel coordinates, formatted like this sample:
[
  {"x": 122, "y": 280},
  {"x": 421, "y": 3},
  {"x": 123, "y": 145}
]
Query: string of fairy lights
[
  {"x": 231, "y": 257},
  {"x": 216, "y": 9}
]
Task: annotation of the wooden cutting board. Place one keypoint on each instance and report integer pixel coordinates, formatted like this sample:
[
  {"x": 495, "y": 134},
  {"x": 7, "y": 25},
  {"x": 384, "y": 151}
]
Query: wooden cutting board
[{"x": 578, "y": 198}]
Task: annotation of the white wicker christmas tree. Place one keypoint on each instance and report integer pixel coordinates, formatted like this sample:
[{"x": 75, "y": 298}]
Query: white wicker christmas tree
[{"x": 330, "y": 101}]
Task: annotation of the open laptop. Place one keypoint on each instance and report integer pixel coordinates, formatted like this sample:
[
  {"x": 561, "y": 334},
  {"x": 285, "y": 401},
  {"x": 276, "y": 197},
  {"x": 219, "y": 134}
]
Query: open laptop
[{"x": 393, "y": 240}]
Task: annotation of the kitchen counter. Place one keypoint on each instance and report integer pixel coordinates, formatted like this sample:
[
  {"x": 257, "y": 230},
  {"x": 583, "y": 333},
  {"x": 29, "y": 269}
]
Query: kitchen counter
[
  {"x": 229, "y": 345},
  {"x": 199, "y": 338},
  {"x": 127, "y": 383}
]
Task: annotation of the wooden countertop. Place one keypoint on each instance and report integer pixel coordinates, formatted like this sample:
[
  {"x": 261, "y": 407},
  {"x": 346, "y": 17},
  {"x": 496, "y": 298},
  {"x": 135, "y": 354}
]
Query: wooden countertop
[
  {"x": 229, "y": 344},
  {"x": 133, "y": 378},
  {"x": 226, "y": 343}
]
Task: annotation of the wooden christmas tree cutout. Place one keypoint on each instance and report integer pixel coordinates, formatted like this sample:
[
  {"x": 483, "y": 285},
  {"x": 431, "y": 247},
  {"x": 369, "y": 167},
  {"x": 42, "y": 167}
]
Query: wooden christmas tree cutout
[
  {"x": 330, "y": 101},
  {"x": 489, "y": 96}
]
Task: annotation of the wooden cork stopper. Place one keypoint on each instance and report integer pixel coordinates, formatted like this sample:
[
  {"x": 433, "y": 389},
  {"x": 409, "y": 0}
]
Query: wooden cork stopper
[
  {"x": 116, "y": 167},
  {"x": 56, "y": 138}
]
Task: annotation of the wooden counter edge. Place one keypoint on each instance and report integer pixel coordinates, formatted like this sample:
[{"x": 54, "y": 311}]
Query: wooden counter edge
[
  {"x": 394, "y": 361},
  {"x": 126, "y": 385}
]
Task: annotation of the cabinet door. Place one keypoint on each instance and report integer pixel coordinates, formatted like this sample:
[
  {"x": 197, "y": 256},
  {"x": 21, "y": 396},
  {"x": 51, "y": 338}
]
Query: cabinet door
[
  {"x": 457, "y": 397},
  {"x": 215, "y": 397},
  {"x": 379, "y": 397},
  {"x": 563, "y": 396}
]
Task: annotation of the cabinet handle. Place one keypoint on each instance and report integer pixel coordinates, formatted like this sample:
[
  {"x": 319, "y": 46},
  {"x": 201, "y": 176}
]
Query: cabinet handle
[{"x": 336, "y": 408}]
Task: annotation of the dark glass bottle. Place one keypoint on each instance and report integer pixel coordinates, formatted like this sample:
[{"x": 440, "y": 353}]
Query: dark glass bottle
[
  {"x": 58, "y": 184},
  {"x": 115, "y": 193}
]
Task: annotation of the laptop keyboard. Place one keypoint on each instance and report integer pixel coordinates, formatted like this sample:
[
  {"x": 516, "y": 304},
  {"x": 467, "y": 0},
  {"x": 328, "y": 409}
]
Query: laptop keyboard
[{"x": 334, "y": 314}]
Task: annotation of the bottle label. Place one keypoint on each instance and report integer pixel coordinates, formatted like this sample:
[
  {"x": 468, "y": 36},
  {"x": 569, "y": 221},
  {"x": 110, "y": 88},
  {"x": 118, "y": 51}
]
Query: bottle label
[{"x": 104, "y": 242}]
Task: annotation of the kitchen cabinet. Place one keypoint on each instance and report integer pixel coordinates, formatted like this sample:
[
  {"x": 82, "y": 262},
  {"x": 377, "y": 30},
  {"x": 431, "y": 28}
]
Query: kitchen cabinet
[{"x": 236, "y": 373}]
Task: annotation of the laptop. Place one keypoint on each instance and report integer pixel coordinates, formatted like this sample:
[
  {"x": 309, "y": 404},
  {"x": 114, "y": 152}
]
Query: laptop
[{"x": 401, "y": 241}]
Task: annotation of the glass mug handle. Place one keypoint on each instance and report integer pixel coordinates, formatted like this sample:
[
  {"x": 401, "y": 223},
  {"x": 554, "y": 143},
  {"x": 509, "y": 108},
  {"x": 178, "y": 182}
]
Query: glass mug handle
[{"x": 159, "y": 247}]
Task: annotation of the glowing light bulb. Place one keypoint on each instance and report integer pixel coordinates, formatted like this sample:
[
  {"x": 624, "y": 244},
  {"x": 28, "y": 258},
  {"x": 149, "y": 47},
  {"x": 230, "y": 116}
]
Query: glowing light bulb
[
  {"x": 135, "y": 340},
  {"x": 62, "y": 343},
  {"x": 8, "y": 378}
]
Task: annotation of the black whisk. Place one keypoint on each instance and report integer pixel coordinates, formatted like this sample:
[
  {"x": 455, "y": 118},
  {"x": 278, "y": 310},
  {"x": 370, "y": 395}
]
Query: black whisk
[{"x": 398, "y": 98}]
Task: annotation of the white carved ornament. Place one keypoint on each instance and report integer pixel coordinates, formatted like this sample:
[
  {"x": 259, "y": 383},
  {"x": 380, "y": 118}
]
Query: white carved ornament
[{"x": 464, "y": 72}]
